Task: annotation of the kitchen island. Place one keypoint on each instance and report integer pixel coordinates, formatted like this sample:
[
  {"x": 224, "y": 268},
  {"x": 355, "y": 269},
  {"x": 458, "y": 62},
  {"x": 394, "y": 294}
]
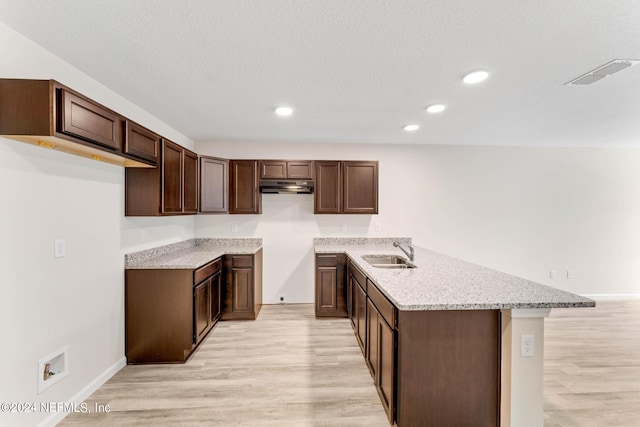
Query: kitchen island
[{"x": 443, "y": 340}]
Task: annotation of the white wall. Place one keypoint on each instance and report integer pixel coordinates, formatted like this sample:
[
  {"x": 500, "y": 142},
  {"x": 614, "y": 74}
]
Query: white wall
[
  {"x": 77, "y": 300},
  {"x": 521, "y": 210}
]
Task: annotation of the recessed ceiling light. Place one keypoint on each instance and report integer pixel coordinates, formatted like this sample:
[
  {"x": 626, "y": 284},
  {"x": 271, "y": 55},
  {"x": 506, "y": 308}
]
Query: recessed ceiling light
[
  {"x": 284, "y": 111},
  {"x": 411, "y": 128},
  {"x": 435, "y": 108},
  {"x": 475, "y": 77}
]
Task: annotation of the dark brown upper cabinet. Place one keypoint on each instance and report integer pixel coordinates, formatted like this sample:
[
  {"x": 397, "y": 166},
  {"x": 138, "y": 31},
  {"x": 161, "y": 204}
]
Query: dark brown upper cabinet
[
  {"x": 328, "y": 188},
  {"x": 214, "y": 185},
  {"x": 85, "y": 119},
  {"x": 171, "y": 189},
  {"x": 360, "y": 187},
  {"x": 51, "y": 115},
  {"x": 286, "y": 169},
  {"x": 141, "y": 142},
  {"x": 244, "y": 195},
  {"x": 346, "y": 187}
]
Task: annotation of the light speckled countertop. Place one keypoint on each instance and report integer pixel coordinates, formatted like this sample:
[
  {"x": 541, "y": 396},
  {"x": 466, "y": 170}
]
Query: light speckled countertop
[
  {"x": 190, "y": 254},
  {"x": 442, "y": 282}
]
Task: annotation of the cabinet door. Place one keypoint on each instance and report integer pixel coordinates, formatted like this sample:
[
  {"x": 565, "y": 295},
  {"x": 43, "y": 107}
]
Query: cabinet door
[
  {"x": 300, "y": 169},
  {"x": 214, "y": 185},
  {"x": 351, "y": 301},
  {"x": 190, "y": 182},
  {"x": 242, "y": 290},
  {"x": 171, "y": 177},
  {"x": 216, "y": 306},
  {"x": 371, "y": 355},
  {"x": 326, "y": 284},
  {"x": 91, "y": 122},
  {"x": 385, "y": 378},
  {"x": 330, "y": 285},
  {"x": 244, "y": 197},
  {"x": 273, "y": 169},
  {"x": 360, "y": 187},
  {"x": 361, "y": 316},
  {"x": 201, "y": 309},
  {"x": 328, "y": 191},
  {"x": 141, "y": 142}
]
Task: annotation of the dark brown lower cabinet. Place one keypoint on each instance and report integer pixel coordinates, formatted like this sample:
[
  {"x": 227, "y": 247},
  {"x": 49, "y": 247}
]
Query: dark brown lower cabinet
[
  {"x": 202, "y": 308},
  {"x": 430, "y": 368},
  {"x": 330, "y": 285},
  {"x": 242, "y": 290},
  {"x": 169, "y": 312},
  {"x": 449, "y": 368},
  {"x": 360, "y": 315}
]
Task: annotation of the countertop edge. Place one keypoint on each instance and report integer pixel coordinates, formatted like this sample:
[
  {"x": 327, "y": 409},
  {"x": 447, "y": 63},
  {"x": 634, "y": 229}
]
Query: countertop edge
[
  {"x": 346, "y": 249},
  {"x": 164, "y": 262}
]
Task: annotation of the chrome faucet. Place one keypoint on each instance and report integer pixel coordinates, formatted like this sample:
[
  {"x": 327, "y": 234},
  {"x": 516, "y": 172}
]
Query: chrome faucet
[{"x": 409, "y": 253}]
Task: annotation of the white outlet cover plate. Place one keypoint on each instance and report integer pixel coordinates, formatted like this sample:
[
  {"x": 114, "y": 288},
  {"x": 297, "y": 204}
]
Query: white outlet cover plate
[
  {"x": 59, "y": 248},
  {"x": 527, "y": 345}
]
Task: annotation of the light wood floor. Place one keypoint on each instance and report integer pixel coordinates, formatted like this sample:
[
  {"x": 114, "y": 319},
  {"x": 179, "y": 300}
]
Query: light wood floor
[
  {"x": 592, "y": 366},
  {"x": 289, "y": 369}
]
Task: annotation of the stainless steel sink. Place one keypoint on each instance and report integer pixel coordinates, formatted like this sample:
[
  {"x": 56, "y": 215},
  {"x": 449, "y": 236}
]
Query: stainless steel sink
[{"x": 387, "y": 261}]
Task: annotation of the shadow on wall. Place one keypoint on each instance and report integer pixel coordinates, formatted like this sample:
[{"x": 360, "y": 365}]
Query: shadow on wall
[
  {"x": 298, "y": 286},
  {"x": 343, "y": 225}
]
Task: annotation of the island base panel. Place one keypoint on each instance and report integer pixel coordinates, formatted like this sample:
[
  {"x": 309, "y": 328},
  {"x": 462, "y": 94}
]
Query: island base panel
[{"x": 448, "y": 368}]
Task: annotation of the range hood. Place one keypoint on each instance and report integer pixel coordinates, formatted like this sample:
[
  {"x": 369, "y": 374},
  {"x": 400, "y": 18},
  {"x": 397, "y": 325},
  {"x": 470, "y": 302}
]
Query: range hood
[{"x": 286, "y": 187}]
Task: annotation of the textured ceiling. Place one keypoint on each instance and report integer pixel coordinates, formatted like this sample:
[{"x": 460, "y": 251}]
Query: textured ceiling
[{"x": 357, "y": 71}]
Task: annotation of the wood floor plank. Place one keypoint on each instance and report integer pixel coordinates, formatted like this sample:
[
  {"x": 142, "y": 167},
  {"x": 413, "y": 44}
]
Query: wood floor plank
[
  {"x": 289, "y": 369},
  {"x": 284, "y": 369},
  {"x": 592, "y": 366}
]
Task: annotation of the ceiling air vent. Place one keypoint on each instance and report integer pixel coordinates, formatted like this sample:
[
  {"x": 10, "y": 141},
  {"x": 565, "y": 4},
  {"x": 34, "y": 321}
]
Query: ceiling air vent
[{"x": 603, "y": 71}]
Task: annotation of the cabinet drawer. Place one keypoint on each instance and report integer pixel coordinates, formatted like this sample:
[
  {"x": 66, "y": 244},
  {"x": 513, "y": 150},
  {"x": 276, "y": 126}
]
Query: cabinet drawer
[
  {"x": 205, "y": 271},
  {"x": 89, "y": 121},
  {"x": 242, "y": 261},
  {"x": 384, "y": 306},
  {"x": 328, "y": 260},
  {"x": 358, "y": 275}
]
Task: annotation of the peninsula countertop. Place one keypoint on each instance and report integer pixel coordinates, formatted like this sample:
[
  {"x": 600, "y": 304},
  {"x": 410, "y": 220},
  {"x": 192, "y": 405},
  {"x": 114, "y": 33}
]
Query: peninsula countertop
[
  {"x": 190, "y": 254},
  {"x": 441, "y": 282}
]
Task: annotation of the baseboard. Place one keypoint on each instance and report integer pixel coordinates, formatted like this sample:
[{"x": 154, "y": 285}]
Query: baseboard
[
  {"x": 612, "y": 297},
  {"x": 87, "y": 391}
]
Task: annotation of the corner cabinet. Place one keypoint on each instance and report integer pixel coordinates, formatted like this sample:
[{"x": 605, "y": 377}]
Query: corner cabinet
[
  {"x": 244, "y": 195},
  {"x": 242, "y": 290},
  {"x": 346, "y": 187},
  {"x": 331, "y": 295},
  {"x": 214, "y": 185},
  {"x": 171, "y": 189},
  {"x": 169, "y": 312}
]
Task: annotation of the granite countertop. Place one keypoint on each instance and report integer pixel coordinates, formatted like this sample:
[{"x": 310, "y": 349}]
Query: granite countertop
[
  {"x": 441, "y": 282},
  {"x": 190, "y": 254}
]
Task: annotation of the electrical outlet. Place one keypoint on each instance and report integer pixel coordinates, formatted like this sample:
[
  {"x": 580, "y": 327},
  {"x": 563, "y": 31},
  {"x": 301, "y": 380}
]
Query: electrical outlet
[
  {"x": 234, "y": 228},
  {"x": 569, "y": 274},
  {"x": 281, "y": 299},
  {"x": 143, "y": 235},
  {"x": 527, "y": 347},
  {"x": 343, "y": 227},
  {"x": 59, "y": 248},
  {"x": 553, "y": 274},
  {"x": 377, "y": 227}
]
